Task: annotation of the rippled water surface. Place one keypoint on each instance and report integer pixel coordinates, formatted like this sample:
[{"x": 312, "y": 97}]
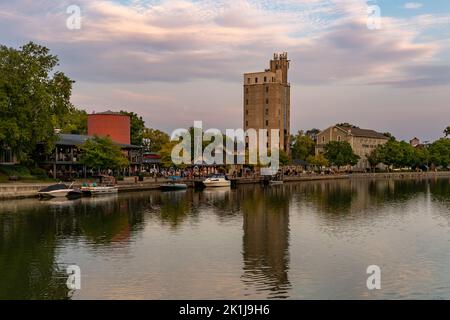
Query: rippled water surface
[{"x": 298, "y": 241}]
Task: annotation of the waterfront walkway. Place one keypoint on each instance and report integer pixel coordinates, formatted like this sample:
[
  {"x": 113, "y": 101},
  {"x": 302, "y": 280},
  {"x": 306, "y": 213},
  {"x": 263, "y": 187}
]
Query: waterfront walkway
[{"x": 16, "y": 190}]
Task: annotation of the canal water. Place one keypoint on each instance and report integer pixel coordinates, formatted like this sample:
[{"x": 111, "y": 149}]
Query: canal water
[{"x": 304, "y": 240}]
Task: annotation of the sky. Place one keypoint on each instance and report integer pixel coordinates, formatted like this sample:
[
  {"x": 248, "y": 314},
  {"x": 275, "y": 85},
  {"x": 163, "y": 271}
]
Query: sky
[{"x": 177, "y": 61}]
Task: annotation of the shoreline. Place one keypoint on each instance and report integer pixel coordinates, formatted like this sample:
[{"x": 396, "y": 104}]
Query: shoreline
[{"x": 18, "y": 190}]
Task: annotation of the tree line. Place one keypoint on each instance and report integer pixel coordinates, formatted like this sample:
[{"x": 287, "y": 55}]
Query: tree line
[{"x": 394, "y": 154}]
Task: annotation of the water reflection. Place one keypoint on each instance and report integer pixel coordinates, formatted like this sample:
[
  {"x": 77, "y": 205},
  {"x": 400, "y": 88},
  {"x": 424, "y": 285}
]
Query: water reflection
[
  {"x": 266, "y": 240},
  {"x": 252, "y": 225}
]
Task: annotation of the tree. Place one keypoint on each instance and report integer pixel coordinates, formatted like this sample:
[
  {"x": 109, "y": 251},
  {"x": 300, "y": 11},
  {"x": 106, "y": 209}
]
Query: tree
[
  {"x": 340, "y": 153},
  {"x": 346, "y": 125},
  {"x": 318, "y": 160},
  {"x": 34, "y": 98},
  {"x": 447, "y": 131},
  {"x": 312, "y": 133},
  {"x": 390, "y": 153},
  {"x": 137, "y": 125},
  {"x": 101, "y": 153},
  {"x": 283, "y": 157},
  {"x": 302, "y": 147},
  {"x": 153, "y": 139},
  {"x": 75, "y": 122},
  {"x": 439, "y": 152},
  {"x": 374, "y": 158}
]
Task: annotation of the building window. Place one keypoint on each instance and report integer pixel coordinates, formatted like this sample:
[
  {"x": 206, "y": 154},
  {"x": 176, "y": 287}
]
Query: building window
[
  {"x": 256, "y": 80},
  {"x": 267, "y": 101},
  {"x": 265, "y": 79},
  {"x": 323, "y": 139},
  {"x": 246, "y": 123},
  {"x": 267, "y": 89},
  {"x": 246, "y": 90},
  {"x": 339, "y": 138},
  {"x": 248, "y": 80},
  {"x": 267, "y": 122},
  {"x": 246, "y": 102},
  {"x": 246, "y": 112}
]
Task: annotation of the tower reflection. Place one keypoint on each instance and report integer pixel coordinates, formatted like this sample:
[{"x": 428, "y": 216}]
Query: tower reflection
[{"x": 266, "y": 241}]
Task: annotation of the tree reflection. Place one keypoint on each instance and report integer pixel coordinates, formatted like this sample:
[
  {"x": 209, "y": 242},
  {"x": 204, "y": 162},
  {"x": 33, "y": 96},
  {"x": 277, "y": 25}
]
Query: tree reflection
[{"x": 28, "y": 269}]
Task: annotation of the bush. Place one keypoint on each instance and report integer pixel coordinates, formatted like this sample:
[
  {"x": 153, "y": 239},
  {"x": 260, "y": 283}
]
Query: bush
[
  {"x": 21, "y": 172},
  {"x": 39, "y": 172}
]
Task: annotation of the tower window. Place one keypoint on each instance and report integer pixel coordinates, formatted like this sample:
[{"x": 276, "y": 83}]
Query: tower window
[
  {"x": 265, "y": 79},
  {"x": 267, "y": 89},
  {"x": 246, "y": 102},
  {"x": 246, "y": 90},
  {"x": 246, "y": 112},
  {"x": 267, "y": 122},
  {"x": 246, "y": 123},
  {"x": 267, "y": 101}
]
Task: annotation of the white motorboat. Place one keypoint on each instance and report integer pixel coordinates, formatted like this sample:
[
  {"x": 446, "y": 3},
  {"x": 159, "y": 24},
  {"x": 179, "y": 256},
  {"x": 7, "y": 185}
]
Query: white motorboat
[
  {"x": 217, "y": 181},
  {"x": 96, "y": 191},
  {"x": 59, "y": 190}
]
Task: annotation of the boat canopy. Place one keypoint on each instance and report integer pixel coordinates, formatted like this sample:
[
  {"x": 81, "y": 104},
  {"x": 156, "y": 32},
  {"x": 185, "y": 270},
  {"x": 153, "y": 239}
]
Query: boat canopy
[{"x": 53, "y": 187}]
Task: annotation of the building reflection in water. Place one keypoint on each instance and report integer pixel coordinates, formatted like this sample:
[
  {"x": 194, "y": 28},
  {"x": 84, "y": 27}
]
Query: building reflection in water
[
  {"x": 266, "y": 240},
  {"x": 34, "y": 235}
]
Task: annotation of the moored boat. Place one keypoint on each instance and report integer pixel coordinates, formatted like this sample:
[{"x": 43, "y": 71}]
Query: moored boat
[
  {"x": 96, "y": 191},
  {"x": 173, "y": 186},
  {"x": 217, "y": 181},
  {"x": 59, "y": 190}
]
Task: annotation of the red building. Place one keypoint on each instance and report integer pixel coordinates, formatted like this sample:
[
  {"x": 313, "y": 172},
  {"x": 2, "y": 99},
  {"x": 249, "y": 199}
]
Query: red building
[{"x": 112, "y": 124}]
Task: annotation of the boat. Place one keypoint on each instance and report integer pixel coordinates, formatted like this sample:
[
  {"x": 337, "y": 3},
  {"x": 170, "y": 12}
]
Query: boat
[
  {"x": 59, "y": 190},
  {"x": 97, "y": 191},
  {"x": 217, "y": 181},
  {"x": 173, "y": 186}
]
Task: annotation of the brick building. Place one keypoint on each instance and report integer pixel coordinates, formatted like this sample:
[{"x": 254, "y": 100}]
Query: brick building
[
  {"x": 112, "y": 124},
  {"x": 267, "y": 99}
]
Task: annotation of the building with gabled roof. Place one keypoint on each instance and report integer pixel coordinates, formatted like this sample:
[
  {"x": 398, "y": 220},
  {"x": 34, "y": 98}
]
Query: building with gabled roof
[{"x": 363, "y": 141}]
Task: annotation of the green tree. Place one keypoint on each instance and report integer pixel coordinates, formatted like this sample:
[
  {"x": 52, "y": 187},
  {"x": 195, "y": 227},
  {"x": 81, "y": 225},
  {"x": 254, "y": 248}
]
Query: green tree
[
  {"x": 166, "y": 154},
  {"x": 340, "y": 153},
  {"x": 153, "y": 139},
  {"x": 75, "y": 122},
  {"x": 440, "y": 152},
  {"x": 447, "y": 131},
  {"x": 137, "y": 127},
  {"x": 318, "y": 160},
  {"x": 374, "y": 158},
  {"x": 302, "y": 147},
  {"x": 101, "y": 153},
  {"x": 284, "y": 158},
  {"x": 390, "y": 153},
  {"x": 34, "y": 98}
]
